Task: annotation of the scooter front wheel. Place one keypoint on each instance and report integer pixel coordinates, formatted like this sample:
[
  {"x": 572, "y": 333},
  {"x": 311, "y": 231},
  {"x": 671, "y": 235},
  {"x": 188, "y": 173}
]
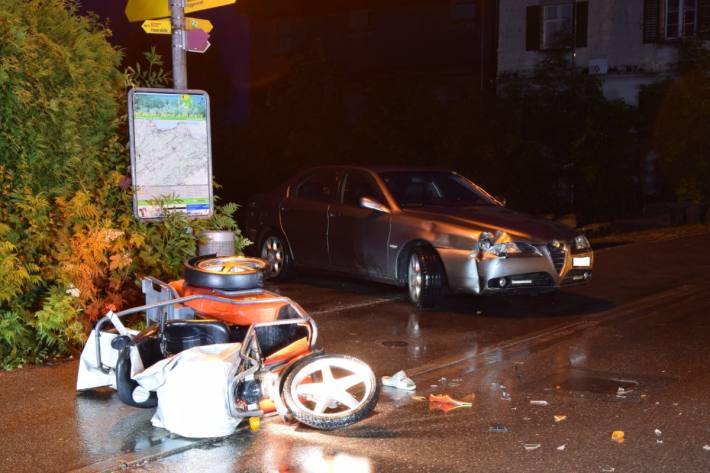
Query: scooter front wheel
[{"x": 327, "y": 392}]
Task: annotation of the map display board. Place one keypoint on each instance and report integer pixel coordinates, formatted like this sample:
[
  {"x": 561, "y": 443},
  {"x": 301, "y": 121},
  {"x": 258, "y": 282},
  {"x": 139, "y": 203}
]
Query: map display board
[{"x": 171, "y": 152}]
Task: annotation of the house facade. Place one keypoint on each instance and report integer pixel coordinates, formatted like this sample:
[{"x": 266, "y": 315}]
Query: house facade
[{"x": 629, "y": 43}]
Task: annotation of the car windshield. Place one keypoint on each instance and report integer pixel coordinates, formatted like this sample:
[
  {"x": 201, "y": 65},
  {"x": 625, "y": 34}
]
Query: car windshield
[{"x": 424, "y": 188}]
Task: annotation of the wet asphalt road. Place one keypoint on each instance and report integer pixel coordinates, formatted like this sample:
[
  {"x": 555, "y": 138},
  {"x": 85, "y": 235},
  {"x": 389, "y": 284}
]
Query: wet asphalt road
[{"x": 642, "y": 325}]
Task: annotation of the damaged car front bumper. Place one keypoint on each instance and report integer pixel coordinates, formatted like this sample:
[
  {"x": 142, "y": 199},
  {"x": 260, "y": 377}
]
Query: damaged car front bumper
[{"x": 543, "y": 267}]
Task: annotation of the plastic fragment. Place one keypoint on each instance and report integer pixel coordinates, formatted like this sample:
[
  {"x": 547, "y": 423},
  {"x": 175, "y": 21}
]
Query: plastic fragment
[
  {"x": 254, "y": 423},
  {"x": 609, "y": 469},
  {"x": 562, "y": 447},
  {"x": 498, "y": 428},
  {"x": 505, "y": 396},
  {"x": 399, "y": 380},
  {"x": 445, "y": 403},
  {"x": 618, "y": 436},
  {"x": 621, "y": 392},
  {"x": 706, "y": 448},
  {"x": 419, "y": 398},
  {"x": 560, "y": 418},
  {"x": 539, "y": 403},
  {"x": 531, "y": 446},
  {"x": 657, "y": 432}
]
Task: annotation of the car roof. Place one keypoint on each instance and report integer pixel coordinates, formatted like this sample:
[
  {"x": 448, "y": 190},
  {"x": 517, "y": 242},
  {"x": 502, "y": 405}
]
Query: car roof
[{"x": 377, "y": 168}]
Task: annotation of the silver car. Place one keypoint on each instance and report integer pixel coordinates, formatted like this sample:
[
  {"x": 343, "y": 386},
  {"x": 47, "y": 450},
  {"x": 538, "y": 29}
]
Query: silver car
[{"x": 428, "y": 230}]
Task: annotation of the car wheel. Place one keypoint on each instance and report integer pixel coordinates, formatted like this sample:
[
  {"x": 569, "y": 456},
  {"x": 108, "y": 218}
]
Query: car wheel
[
  {"x": 228, "y": 273},
  {"x": 275, "y": 250},
  {"x": 328, "y": 392},
  {"x": 425, "y": 277}
]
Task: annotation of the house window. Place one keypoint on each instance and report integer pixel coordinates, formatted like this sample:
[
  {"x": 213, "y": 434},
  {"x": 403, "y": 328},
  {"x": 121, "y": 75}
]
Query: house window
[
  {"x": 681, "y": 18},
  {"x": 556, "y": 26}
]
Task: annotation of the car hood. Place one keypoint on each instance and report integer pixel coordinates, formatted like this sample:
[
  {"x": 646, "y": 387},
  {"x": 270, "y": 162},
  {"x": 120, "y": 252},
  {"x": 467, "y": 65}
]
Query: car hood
[{"x": 492, "y": 218}]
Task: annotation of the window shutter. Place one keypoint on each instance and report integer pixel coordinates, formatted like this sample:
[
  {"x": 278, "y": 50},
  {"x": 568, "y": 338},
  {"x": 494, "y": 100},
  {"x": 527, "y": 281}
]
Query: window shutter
[
  {"x": 581, "y": 19},
  {"x": 704, "y": 19},
  {"x": 533, "y": 28},
  {"x": 652, "y": 32}
]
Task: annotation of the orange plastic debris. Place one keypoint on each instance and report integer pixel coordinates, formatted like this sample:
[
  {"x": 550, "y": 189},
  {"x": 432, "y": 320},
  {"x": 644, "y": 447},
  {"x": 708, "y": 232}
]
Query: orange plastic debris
[
  {"x": 618, "y": 436},
  {"x": 445, "y": 403},
  {"x": 254, "y": 423}
]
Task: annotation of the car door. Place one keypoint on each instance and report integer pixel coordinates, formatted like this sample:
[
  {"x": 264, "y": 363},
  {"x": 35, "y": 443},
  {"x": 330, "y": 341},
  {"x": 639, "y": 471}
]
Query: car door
[
  {"x": 304, "y": 217},
  {"x": 358, "y": 237}
]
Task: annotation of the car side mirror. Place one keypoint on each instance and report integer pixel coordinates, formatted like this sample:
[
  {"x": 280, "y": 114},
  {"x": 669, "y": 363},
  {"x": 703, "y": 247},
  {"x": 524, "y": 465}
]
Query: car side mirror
[{"x": 372, "y": 204}]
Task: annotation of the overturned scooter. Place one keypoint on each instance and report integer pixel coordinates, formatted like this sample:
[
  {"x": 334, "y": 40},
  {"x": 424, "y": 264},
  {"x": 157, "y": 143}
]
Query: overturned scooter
[{"x": 218, "y": 348}]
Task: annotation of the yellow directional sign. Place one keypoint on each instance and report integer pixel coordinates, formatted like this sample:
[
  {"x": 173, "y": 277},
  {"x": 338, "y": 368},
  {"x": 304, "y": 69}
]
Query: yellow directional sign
[
  {"x": 163, "y": 26},
  {"x": 198, "y": 24},
  {"x": 157, "y": 26},
  {"x": 137, "y": 10}
]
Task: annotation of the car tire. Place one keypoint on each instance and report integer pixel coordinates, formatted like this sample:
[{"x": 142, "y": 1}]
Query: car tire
[
  {"x": 425, "y": 277},
  {"x": 310, "y": 408},
  {"x": 275, "y": 251}
]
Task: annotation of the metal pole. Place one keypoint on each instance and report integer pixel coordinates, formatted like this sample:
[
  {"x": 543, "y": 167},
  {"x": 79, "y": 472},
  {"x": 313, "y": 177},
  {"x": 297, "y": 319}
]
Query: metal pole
[{"x": 177, "y": 23}]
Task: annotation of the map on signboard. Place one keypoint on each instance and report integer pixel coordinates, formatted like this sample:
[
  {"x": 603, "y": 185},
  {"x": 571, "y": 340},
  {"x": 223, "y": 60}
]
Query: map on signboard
[{"x": 170, "y": 153}]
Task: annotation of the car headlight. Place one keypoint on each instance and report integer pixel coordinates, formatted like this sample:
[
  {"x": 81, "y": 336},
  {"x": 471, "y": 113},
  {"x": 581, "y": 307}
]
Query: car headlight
[
  {"x": 511, "y": 248},
  {"x": 581, "y": 243},
  {"x": 485, "y": 241}
]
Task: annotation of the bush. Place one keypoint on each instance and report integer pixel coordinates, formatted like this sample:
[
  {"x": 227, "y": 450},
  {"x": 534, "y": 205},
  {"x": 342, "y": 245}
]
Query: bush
[{"x": 69, "y": 245}]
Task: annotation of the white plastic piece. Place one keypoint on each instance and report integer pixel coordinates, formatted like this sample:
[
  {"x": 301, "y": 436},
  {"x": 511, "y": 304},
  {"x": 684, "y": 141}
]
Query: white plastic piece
[
  {"x": 400, "y": 380},
  {"x": 192, "y": 387},
  {"x": 90, "y": 375}
]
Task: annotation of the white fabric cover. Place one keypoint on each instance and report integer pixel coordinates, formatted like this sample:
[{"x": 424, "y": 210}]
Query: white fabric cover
[
  {"x": 192, "y": 391},
  {"x": 90, "y": 376}
]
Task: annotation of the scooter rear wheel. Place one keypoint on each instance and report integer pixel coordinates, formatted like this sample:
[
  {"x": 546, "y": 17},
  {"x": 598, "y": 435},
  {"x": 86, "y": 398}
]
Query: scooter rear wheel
[
  {"x": 229, "y": 273},
  {"x": 328, "y": 392}
]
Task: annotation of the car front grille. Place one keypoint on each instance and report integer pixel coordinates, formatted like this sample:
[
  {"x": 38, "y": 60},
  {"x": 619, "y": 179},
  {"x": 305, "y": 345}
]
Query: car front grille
[
  {"x": 558, "y": 256},
  {"x": 522, "y": 281}
]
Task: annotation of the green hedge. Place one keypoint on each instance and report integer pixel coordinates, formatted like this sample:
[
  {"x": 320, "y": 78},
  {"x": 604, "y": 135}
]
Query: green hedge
[{"x": 69, "y": 246}]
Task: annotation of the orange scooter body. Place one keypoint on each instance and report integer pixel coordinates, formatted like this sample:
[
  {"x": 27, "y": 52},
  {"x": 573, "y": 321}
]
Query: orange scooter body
[{"x": 245, "y": 314}]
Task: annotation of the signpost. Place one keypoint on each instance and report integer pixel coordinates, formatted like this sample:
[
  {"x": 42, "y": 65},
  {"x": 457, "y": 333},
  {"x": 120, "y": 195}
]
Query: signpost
[
  {"x": 163, "y": 26},
  {"x": 196, "y": 41},
  {"x": 138, "y": 10}
]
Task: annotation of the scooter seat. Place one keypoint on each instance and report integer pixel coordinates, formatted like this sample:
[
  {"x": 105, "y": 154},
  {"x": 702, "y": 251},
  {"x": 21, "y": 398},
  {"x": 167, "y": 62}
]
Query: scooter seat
[
  {"x": 179, "y": 335},
  {"x": 183, "y": 334}
]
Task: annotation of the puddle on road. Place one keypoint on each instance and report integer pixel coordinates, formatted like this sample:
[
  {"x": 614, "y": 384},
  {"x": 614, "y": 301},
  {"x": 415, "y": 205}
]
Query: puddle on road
[{"x": 597, "y": 385}]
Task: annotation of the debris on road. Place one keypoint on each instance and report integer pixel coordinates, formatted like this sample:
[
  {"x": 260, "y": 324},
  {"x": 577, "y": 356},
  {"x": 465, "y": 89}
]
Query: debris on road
[
  {"x": 706, "y": 448},
  {"x": 445, "y": 403},
  {"x": 560, "y": 418},
  {"x": 622, "y": 393},
  {"x": 399, "y": 380},
  {"x": 419, "y": 398},
  {"x": 618, "y": 436},
  {"x": 608, "y": 469},
  {"x": 254, "y": 423},
  {"x": 658, "y": 432},
  {"x": 562, "y": 447},
  {"x": 539, "y": 403},
  {"x": 505, "y": 396},
  {"x": 498, "y": 428},
  {"x": 531, "y": 446}
]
